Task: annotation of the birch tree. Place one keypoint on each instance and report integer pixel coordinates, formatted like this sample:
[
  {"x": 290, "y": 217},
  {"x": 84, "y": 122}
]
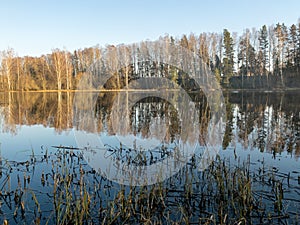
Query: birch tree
[{"x": 7, "y": 64}]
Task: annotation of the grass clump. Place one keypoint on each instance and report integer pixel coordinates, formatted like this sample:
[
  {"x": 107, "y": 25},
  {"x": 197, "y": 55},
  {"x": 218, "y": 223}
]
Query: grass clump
[{"x": 61, "y": 188}]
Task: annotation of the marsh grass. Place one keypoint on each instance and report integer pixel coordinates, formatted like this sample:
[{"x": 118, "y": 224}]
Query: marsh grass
[{"x": 59, "y": 187}]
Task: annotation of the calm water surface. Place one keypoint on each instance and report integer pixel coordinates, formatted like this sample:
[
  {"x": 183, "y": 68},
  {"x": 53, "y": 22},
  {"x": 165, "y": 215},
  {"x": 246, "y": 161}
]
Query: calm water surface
[
  {"x": 263, "y": 124},
  {"x": 261, "y": 127}
]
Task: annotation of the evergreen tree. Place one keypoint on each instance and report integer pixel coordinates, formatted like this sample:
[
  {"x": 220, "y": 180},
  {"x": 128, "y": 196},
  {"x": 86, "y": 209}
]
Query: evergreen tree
[
  {"x": 297, "y": 61},
  {"x": 263, "y": 50},
  {"x": 281, "y": 35},
  {"x": 246, "y": 57},
  {"x": 242, "y": 57},
  {"x": 292, "y": 40},
  {"x": 228, "y": 60}
]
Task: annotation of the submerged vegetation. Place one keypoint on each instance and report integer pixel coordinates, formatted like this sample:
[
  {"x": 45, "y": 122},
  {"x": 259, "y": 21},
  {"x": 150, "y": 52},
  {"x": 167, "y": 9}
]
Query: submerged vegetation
[{"x": 58, "y": 187}]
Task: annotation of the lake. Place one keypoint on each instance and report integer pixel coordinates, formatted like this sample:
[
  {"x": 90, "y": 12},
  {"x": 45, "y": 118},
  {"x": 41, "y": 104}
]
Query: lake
[{"x": 61, "y": 152}]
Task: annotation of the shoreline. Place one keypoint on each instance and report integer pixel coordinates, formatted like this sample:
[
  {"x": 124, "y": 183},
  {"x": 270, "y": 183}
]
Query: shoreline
[{"x": 153, "y": 90}]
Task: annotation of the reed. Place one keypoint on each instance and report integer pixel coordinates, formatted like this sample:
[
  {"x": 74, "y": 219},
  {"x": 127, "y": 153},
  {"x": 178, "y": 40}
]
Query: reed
[{"x": 64, "y": 190}]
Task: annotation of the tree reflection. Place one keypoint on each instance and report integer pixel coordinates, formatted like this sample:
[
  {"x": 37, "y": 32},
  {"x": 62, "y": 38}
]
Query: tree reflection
[{"x": 267, "y": 121}]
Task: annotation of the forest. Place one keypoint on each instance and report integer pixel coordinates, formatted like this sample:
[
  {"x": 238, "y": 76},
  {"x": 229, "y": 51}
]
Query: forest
[{"x": 264, "y": 58}]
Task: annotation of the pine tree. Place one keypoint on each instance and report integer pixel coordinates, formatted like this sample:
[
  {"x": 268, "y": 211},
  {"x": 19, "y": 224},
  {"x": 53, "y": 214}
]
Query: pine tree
[
  {"x": 292, "y": 40},
  {"x": 263, "y": 50},
  {"x": 228, "y": 60},
  {"x": 246, "y": 57},
  {"x": 281, "y": 35},
  {"x": 297, "y": 61}
]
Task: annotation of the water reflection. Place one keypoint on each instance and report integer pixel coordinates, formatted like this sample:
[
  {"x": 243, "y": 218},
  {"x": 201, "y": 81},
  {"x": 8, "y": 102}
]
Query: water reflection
[
  {"x": 53, "y": 110},
  {"x": 144, "y": 133},
  {"x": 267, "y": 121},
  {"x": 257, "y": 122}
]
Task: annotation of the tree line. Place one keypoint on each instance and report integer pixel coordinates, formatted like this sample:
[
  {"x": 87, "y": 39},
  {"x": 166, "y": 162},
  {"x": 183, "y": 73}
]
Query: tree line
[{"x": 265, "y": 53}]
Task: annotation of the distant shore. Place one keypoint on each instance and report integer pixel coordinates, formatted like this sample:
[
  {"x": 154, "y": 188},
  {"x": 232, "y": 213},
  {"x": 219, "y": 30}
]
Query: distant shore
[{"x": 154, "y": 90}]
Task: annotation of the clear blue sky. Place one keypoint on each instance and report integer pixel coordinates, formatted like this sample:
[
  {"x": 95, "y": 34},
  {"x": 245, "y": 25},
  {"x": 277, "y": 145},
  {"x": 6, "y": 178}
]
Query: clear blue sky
[{"x": 34, "y": 27}]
